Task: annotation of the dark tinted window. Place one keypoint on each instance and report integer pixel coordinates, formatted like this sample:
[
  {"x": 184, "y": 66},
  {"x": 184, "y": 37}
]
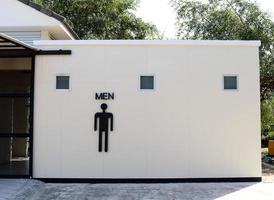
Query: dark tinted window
[
  {"x": 230, "y": 83},
  {"x": 62, "y": 82},
  {"x": 147, "y": 82}
]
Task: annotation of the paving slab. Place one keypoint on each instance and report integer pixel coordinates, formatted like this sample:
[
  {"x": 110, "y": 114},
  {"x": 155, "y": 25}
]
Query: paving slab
[
  {"x": 19, "y": 189},
  {"x": 36, "y": 190}
]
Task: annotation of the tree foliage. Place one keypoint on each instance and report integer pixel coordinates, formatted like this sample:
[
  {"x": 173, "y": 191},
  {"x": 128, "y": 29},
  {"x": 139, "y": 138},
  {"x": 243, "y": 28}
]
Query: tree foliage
[
  {"x": 102, "y": 19},
  {"x": 267, "y": 114},
  {"x": 230, "y": 20}
]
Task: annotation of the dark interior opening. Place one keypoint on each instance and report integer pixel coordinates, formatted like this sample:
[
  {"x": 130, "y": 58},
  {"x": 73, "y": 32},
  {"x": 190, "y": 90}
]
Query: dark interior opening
[{"x": 15, "y": 116}]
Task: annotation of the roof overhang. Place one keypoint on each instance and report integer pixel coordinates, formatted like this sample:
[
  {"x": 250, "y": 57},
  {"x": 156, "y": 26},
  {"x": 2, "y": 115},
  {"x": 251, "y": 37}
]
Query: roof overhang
[
  {"x": 64, "y": 26},
  {"x": 10, "y": 47}
]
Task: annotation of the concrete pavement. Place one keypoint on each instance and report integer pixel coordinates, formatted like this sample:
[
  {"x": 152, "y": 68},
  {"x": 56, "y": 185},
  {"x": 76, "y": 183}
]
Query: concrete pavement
[{"x": 34, "y": 190}]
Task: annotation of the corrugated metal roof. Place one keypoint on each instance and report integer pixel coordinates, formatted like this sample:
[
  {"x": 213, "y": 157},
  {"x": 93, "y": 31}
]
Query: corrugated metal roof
[
  {"x": 24, "y": 36},
  {"x": 9, "y": 43}
]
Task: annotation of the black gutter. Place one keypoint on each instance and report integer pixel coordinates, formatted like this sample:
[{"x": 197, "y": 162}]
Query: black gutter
[
  {"x": 30, "y": 53},
  {"x": 150, "y": 180}
]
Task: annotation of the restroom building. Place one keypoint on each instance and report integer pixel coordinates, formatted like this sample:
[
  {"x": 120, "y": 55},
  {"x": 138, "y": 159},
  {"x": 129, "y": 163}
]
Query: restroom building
[{"x": 123, "y": 110}]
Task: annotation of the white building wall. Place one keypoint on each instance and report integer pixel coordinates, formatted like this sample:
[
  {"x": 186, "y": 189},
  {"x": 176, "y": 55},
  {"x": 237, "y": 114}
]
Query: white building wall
[{"x": 188, "y": 127}]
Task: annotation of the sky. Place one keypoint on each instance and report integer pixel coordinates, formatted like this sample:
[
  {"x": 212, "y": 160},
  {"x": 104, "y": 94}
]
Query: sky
[{"x": 160, "y": 13}]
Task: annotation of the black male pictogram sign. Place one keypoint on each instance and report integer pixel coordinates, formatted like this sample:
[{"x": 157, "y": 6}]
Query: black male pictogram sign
[{"x": 105, "y": 120}]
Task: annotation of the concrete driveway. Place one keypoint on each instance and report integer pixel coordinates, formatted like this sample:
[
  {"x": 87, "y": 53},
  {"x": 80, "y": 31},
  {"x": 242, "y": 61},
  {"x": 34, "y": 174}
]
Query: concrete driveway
[{"x": 34, "y": 190}]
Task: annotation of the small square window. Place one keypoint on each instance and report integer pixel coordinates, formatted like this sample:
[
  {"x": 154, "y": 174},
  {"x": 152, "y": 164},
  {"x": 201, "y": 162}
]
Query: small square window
[
  {"x": 62, "y": 82},
  {"x": 230, "y": 82},
  {"x": 147, "y": 82}
]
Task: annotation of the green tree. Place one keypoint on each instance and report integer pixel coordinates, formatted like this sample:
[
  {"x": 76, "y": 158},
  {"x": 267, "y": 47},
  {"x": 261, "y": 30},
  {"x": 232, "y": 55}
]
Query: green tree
[
  {"x": 267, "y": 114},
  {"x": 230, "y": 20},
  {"x": 102, "y": 19}
]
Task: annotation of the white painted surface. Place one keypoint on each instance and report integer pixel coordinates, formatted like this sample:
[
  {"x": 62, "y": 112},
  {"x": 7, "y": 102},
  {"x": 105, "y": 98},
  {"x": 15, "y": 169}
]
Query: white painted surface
[
  {"x": 189, "y": 127},
  {"x": 149, "y": 42},
  {"x": 28, "y": 19}
]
